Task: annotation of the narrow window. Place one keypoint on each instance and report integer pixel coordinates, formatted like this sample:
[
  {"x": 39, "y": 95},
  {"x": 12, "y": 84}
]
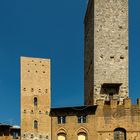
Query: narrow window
[
  {"x": 15, "y": 135},
  {"x": 61, "y": 119},
  {"x": 35, "y": 101},
  {"x": 81, "y": 119},
  {"x": 35, "y": 124}
]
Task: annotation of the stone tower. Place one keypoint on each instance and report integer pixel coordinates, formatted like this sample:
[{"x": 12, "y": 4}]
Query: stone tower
[
  {"x": 35, "y": 99},
  {"x": 106, "y": 51}
]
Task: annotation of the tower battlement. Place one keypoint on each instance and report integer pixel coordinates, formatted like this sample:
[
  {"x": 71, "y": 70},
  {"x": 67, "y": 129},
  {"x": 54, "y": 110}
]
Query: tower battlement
[{"x": 114, "y": 104}]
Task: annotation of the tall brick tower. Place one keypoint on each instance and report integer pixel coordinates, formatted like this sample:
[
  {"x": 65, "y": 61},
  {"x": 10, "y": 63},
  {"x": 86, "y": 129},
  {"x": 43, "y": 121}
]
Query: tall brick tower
[
  {"x": 35, "y": 99},
  {"x": 106, "y": 50}
]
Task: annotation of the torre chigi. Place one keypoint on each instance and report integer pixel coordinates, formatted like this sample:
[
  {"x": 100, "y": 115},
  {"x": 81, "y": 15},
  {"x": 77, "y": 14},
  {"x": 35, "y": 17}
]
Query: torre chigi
[{"x": 107, "y": 113}]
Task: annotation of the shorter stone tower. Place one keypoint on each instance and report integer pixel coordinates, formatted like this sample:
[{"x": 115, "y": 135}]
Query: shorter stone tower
[
  {"x": 35, "y": 99},
  {"x": 106, "y": 51}
]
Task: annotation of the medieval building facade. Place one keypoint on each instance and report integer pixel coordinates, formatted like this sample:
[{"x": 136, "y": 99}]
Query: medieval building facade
[{"x": 107, "y": 113}]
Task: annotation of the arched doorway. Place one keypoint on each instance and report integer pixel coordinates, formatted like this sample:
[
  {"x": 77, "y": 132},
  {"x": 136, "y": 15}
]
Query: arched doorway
[
  {"x": 61, "y": 136},
  {"x": 82, "y": 136}
]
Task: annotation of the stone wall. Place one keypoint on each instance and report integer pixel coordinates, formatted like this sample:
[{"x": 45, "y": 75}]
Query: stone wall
[
  {"x": 35, "y": 83},
  {"x": 107, "y": 40},
  {"x": 102, "y": 124},
  {"x": 110, "y": 117}
]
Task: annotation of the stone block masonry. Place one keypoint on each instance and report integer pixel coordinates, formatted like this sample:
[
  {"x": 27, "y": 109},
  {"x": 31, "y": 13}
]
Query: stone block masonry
[{"x": 106, "y": 50}]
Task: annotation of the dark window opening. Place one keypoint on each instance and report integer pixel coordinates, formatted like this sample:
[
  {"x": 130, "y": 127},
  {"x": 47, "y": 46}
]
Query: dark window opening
[
  {"x": 82, "y": 119},
  {"x": 110, "y": 90},
  {"x": 119, "y": 134},
  {"x": 61, "y": 119},
  {"x": 35, "y": 101},
  {"x": 35, "y": 124},
  {"x": 15, "y": 135}
]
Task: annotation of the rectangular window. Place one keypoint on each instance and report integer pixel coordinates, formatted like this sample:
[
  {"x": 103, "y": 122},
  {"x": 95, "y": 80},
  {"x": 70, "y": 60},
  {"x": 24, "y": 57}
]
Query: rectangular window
[
  {"x": 15, "y": 135},
  {"x": 82, "y": 119},
  {"x": 61, "y": 119}
]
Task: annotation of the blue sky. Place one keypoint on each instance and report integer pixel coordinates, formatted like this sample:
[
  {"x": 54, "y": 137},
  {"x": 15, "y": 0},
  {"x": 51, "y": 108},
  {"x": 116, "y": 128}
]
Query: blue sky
[{"x": 52, "y": 29}]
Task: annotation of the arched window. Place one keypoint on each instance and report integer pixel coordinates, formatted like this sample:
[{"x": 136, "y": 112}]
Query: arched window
[
  {"x": 35, "y": 101},
  {"x": 35, "y": 124},
  {"x": 61, "y": 136},
  {"x": 82, "y": 136},
  {"x": 119, "y": 134}
]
